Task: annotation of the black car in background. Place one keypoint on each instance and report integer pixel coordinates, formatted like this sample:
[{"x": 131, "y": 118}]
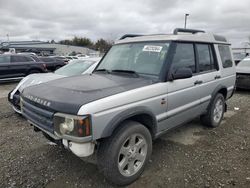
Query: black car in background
[
  {"x": 52, "y": 63},
  {"x": 16, "y": 66}
]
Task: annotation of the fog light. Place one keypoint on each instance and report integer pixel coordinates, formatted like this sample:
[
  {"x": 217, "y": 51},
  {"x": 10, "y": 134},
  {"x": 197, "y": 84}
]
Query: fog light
[{"x": 67, "y": 126}]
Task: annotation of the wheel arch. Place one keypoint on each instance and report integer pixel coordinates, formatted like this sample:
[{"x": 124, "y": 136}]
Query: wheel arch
[
  {"x": 142, "y": 115},
  {"x": 220, "y": 89}
]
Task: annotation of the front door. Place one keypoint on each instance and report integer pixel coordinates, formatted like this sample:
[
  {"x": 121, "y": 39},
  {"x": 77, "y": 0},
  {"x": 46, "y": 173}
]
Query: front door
[{"x": 183, "y": 98}]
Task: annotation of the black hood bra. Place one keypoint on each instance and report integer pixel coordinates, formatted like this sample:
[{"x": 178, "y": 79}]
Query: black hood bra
[{"x": 67, "y": 95}]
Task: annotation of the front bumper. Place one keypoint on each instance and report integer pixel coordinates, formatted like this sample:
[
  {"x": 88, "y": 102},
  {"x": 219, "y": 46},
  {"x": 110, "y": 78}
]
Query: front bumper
[
  {"x": 243, "y": 81},
  {"x": 15, "y": 101},
  {"x": 42, "y": 120}
]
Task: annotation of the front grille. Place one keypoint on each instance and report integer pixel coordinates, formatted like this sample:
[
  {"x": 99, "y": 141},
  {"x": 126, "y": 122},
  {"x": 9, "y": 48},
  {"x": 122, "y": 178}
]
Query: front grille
[{"x": 38, "y": 116}]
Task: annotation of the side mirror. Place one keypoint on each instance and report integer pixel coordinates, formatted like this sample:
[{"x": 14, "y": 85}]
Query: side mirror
[{"x": 182, "y": 73}]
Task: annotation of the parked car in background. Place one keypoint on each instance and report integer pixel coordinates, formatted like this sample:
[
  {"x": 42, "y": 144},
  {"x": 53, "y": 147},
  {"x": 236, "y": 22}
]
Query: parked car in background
[
  {"x": 52, "y": 63},
  {"x": 238, "y": 57},
  {"x": 17, "y": 66},
  {"x": 61, "y": 58},
  {"x": 142, "y": 88},
  {"x": 71, "y": 57},
  {"x": 82, "y": 56},
  {"x": 243, "y": 74},
  {"x": 76, "y": 68}
]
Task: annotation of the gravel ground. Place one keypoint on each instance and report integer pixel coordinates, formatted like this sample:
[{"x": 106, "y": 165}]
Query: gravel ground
[{"x": 190, "y": 156}]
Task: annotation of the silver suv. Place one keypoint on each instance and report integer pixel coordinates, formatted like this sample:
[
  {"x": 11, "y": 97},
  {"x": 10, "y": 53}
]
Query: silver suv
[{"x": 142, "y": 88}]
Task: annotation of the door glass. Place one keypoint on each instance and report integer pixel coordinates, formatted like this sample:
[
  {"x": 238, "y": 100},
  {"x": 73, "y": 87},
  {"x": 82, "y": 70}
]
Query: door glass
[
  {"x": 225, "y": 55},
  {"x": 184, "y": 57},
  {"x": 205, "y": 63},
  {"x": 4, "y": 59},
  {"x": 16, "y": 59}
]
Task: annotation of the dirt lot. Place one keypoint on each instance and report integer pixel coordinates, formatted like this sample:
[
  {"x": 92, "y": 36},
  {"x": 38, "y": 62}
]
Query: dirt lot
[{"x": 191, "y": 156}]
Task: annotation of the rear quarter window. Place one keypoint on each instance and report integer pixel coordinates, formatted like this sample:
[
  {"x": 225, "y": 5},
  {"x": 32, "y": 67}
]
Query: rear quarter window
[{"x": 225, "y": 55}]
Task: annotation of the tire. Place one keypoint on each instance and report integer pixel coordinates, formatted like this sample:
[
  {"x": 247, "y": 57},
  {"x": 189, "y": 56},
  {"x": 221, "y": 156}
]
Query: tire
[
  {"x": 34, "y": 71},
  {"x": 110, "y": 154},
  {"x": 215, "y": 112}
]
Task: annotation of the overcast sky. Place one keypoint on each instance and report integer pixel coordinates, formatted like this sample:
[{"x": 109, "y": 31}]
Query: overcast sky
[{"x": 109, "y": 19}]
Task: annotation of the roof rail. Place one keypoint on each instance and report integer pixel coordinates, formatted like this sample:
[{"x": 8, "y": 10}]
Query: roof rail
[
  {"x": 129, "y": 36},
  {"x": 193, "y": 31}
]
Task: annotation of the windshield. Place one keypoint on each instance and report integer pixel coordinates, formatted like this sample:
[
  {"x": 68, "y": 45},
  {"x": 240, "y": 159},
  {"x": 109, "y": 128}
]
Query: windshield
[
  {"x": 244, "y": 63},
  {"x": 144, "y": 58},
  {"x": 75, "y": 68}
]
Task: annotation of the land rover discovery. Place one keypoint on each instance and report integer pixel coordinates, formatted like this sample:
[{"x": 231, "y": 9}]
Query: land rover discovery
[{"x": 142, "y": 88}]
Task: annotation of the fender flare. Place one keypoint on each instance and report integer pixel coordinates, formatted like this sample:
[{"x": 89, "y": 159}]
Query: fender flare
[{"x": 126, "y": 114}]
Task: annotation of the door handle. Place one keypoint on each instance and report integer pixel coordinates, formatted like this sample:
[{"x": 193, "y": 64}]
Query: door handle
[
  {"x": 198, "y": 82},
  {"x": 217, "y": 77}
]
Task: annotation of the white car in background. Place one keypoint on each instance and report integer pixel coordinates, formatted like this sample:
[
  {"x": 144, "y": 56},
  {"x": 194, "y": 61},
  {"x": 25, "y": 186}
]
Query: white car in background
[
  {"x": 243, "y": 74},
  {"x": 82, "y": 56},
  {"x": 75, "y": 68}
]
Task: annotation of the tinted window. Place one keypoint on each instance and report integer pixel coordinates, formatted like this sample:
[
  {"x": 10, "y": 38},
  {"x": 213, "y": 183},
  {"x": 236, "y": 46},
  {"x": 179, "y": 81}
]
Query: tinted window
[
  {"x": 225, "y": 55},
  {"x": 206, "y": 57},
  {"x": 16, "y": 59},
  {"x": 27, "y": 58},
  {"x": 4, "y": 59},
  {"x": 184, "y": 57},
  {"x": 47, "y": 59}
]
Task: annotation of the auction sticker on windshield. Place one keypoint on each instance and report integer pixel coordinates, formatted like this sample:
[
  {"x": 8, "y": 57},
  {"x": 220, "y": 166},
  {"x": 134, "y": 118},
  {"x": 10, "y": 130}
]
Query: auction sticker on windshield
[{"x": 150, "y": 48}]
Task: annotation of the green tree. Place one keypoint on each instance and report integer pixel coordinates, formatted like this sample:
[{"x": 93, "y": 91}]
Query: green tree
[{"x": 102, "y": 45}]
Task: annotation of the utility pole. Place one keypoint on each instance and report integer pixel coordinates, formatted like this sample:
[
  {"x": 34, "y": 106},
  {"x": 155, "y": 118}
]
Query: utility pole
[
  {"x": 185, "y": 24},
  {"x": 8, "y": 38}
]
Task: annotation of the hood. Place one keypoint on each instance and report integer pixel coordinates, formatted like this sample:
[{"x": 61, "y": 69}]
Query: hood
[
  {"x": 34, "y": 79},
  {"x": 242, "y": 69},
  {"x": 67, "y": 95}
]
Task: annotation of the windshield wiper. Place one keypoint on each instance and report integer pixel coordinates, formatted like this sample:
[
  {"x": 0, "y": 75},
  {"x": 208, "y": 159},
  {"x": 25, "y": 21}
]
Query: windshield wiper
[
  {"x": 103, "y": 70},
  {"x": 125, "y": 71}
]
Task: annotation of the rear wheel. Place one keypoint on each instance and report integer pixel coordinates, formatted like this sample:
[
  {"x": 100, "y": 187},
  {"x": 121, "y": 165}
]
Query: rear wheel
[
  {"x": 123, "y": 156},
  {"x": 215, "y": 112}
]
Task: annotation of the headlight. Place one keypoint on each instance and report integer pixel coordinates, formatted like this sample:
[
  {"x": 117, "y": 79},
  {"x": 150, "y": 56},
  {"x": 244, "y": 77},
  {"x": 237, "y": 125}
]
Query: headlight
[{"x": 78, "y": 126}]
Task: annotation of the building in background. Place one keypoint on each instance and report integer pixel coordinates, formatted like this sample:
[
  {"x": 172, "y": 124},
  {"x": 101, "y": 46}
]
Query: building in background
[{"x": 44, "y": 48}]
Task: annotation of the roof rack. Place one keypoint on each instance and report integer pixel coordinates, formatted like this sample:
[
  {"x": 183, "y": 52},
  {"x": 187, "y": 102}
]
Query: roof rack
[
  {"x": 182, "y": 30},
  {"x": 129, "y": 36}
]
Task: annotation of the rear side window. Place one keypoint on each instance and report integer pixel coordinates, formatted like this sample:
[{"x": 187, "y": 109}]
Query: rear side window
[
  {"x": 4, "y": 59},
  {"x": 205, "y": 57},
  {"x": 16, "y": 59},
  {"x": 184, "y": 57},
  {"x": 225, "y": 55}
]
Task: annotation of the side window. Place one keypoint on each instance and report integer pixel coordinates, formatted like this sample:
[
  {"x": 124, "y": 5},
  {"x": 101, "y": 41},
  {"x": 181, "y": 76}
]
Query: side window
[
  {"x": 184, "y": 57},
  {"x": 225, "y": 55},
  {"x": 27, "y": 59},
  {"x": 205, "y": 57},
  {"x": 4, "y": 59},
  {"x": 15, "y": 59}
]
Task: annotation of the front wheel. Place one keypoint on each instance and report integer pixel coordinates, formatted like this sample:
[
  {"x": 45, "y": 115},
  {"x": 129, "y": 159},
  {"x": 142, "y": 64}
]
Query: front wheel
[
  {"x": 123, "y": 156},
  {"x": 215, "y": 112}
]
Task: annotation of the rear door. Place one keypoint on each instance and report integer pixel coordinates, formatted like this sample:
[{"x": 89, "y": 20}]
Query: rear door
[
  {"x": 208, "y": 70},
  {"x": 4, "y": 66},
  {"x": 20, "y": 65},
  {"x": 183, "y": 99}
]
